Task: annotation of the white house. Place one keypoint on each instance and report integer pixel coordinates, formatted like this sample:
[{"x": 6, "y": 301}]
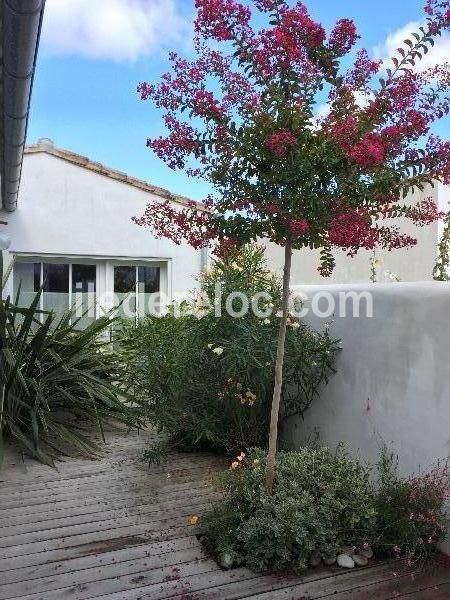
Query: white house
[{"x": 72, "y": 232}]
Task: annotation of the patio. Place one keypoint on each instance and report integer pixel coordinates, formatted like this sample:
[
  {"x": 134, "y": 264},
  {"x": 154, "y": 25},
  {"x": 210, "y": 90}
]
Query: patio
[{"x": 115, "y": 529}]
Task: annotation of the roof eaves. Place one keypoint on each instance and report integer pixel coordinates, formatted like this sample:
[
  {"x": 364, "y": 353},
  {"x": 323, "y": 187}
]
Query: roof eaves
[{"x": 97, "y": 167}]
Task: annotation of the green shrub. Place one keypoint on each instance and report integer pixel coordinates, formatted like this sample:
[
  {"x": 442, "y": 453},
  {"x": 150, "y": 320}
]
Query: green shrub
[
  {"x": 207, "y": 380},
  {"x": 411, "y": 515},
  {"x": 54, "y": 381},
  {"x": 320, "y": 502}
]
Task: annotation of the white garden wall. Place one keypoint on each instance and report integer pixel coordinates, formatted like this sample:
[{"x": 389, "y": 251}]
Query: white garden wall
[
  {"x": 413, "y": 264},
  {"x": 392, "y": 384}
]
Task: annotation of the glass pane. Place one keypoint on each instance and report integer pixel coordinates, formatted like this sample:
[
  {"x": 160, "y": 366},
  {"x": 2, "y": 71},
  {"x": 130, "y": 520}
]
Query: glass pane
[
  {"x": 84, "y": 281},
  {"x": 37, "y": 276},
  {"x": 148, "y": 285},
  {"x": 27, "y": 276},
  {"x": 56, "y": 287},
  {"x": 125, "y": 290},
  {"x": 124, "y": 279},
  {"x": 148, "y": 278},
  {"x": 84, "y": 278}
]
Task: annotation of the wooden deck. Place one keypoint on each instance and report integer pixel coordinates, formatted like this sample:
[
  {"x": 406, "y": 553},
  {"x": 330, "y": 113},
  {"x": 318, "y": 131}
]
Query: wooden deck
[{"x": 114, "y": 529}]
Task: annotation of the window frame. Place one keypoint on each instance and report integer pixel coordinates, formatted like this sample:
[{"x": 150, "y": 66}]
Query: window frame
[
  {"x": 41, "y": 260},
  {"x": 137, "y": 265}
]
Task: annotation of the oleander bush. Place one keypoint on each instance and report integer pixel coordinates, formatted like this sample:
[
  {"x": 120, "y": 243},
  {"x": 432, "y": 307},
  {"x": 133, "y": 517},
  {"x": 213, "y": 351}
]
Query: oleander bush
[
  {"x": 321, "y": 501},
  {"x": 207, "y": 380},
  {"x": 56, "y": 382}
]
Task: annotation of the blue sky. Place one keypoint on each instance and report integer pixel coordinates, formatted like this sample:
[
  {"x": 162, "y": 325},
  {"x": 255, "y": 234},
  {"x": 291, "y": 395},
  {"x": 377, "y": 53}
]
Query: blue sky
[{"x": 93, "y": 55}]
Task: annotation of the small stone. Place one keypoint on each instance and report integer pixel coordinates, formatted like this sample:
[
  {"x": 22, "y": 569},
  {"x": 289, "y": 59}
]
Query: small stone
[
  {"x": 226, "y": 560},
  {"x": 345, "y": 561},
  {"x": 329, "y": 559},
  {"x": 315, "y": 559},
  {"x": 367, "y": 552},
  {"x": 360, "y": 561}
]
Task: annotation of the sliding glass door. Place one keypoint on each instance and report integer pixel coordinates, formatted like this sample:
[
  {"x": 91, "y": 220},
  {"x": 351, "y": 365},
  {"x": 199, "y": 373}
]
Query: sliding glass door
[{"x": 134, "y": 288}]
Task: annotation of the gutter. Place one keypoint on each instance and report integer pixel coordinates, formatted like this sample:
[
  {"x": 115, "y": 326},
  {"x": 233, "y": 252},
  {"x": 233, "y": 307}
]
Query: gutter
[{"x": 21, "y": 29}]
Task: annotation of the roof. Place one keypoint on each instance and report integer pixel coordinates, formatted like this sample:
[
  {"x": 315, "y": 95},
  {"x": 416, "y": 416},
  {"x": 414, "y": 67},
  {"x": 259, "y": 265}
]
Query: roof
[
  {"x": 46, "y": 146},
  {"x": 20, "y": 29}
]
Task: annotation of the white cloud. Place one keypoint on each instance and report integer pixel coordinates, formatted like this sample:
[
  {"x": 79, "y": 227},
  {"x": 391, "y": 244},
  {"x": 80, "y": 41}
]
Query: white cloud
[
  {"x": 119, "y": 30},
  {"x": 437, "y": 55}
]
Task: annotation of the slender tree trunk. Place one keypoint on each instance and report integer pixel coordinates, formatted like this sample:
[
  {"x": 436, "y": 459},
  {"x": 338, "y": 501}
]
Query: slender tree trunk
[{"x": 273, "y": 433}]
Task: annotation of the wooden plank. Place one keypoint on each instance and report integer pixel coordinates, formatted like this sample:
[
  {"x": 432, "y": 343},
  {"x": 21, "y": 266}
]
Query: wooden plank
[
  {"x": 101, "y": 512},
  {"x": 153, "y": 492},
  {"x": 166, "y": 486},
  {"x": 147, "y": 531},
  {"x": 340, "y": 581},
  {"x": 106, "y": 471},
  {"x": 133, "y": 480},
  {"x": 96, "y": 555},
  {"x": 436, "y": 592},
  {"x": 395, "y": 585},
  {"x": 121, "y": 584},
  {"x": 155, "y": 569},
  {"x": 155, "y": 520},
  {"x": 187, "y": 587}
]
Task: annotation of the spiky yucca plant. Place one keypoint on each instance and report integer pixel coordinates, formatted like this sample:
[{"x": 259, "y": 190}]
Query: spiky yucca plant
[{"x": 55, "y": 380}]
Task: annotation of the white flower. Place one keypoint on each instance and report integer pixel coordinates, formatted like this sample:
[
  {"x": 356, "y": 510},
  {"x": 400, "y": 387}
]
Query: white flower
[
  {"x": 266, "y": 321},
  {"x": 279, "y": 314},
  {"x": 295, "y": 325},
  {"x": 210, "y": 346},
  {"x": 218, "y": 351}
]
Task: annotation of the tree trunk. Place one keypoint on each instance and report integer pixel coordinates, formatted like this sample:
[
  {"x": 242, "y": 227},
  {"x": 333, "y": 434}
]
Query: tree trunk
[{"x": 273, "y": 433}]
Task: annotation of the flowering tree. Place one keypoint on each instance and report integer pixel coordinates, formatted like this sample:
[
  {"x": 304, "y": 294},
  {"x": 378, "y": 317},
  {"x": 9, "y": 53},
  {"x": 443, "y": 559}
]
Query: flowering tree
[{"x": 243, "y": 118}]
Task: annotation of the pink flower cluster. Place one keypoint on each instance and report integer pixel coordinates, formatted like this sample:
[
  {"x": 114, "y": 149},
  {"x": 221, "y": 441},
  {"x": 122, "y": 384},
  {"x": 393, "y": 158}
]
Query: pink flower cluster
[
  {"x": 296, "y": 23},
  {"x": 268, "y": 5},
  {"x": 280, "y": 142},
  {"x": 204, "y": 104},
  {"x": 369, "y": 152},
  {"x": 403, "y": 92},
  {"x": 192, "y": 224},
  {"x": 298, "y": 227},
  {"x": 425, "y": 212},
  {"x": 217, "y": 19},
  {"x": 343, "y": 37},
  {"x": 438, "y": 12},
  {"x": 178, "y": 145},
  {"x": 362, "y": 71},
  {"x": 413, "y": 125},
  {"x": 353, "y": 230}
]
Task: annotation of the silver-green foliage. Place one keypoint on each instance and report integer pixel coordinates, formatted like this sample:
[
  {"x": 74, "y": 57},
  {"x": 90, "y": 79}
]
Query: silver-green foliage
[{"x": 320, "y": 501}]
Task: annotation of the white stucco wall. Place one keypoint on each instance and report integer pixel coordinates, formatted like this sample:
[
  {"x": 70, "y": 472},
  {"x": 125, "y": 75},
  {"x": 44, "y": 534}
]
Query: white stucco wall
[
  {"x": 414, "y": 264},
  {"x": 66, "y": 210},
  {"x": 392, "y": 382}
]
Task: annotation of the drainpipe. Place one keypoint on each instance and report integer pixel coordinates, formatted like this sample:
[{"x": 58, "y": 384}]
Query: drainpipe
[{"x": 21, "y": 28}]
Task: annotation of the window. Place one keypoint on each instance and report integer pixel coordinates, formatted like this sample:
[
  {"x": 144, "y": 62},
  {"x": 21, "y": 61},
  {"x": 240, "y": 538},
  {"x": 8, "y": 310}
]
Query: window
[
  {"x": 134, "y": 287},
  {"x": 65, "y": 286}
]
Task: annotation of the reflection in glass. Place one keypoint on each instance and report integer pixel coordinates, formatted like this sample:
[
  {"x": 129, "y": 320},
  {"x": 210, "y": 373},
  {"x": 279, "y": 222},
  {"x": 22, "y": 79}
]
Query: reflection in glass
[
  {"x": 84, "y": 282},
  {"x": 27, "y": 279},
  {"x": 56, "y": 287},
  {"x": 125, "y": 289},
  {"x": 148, "y": 284}
]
